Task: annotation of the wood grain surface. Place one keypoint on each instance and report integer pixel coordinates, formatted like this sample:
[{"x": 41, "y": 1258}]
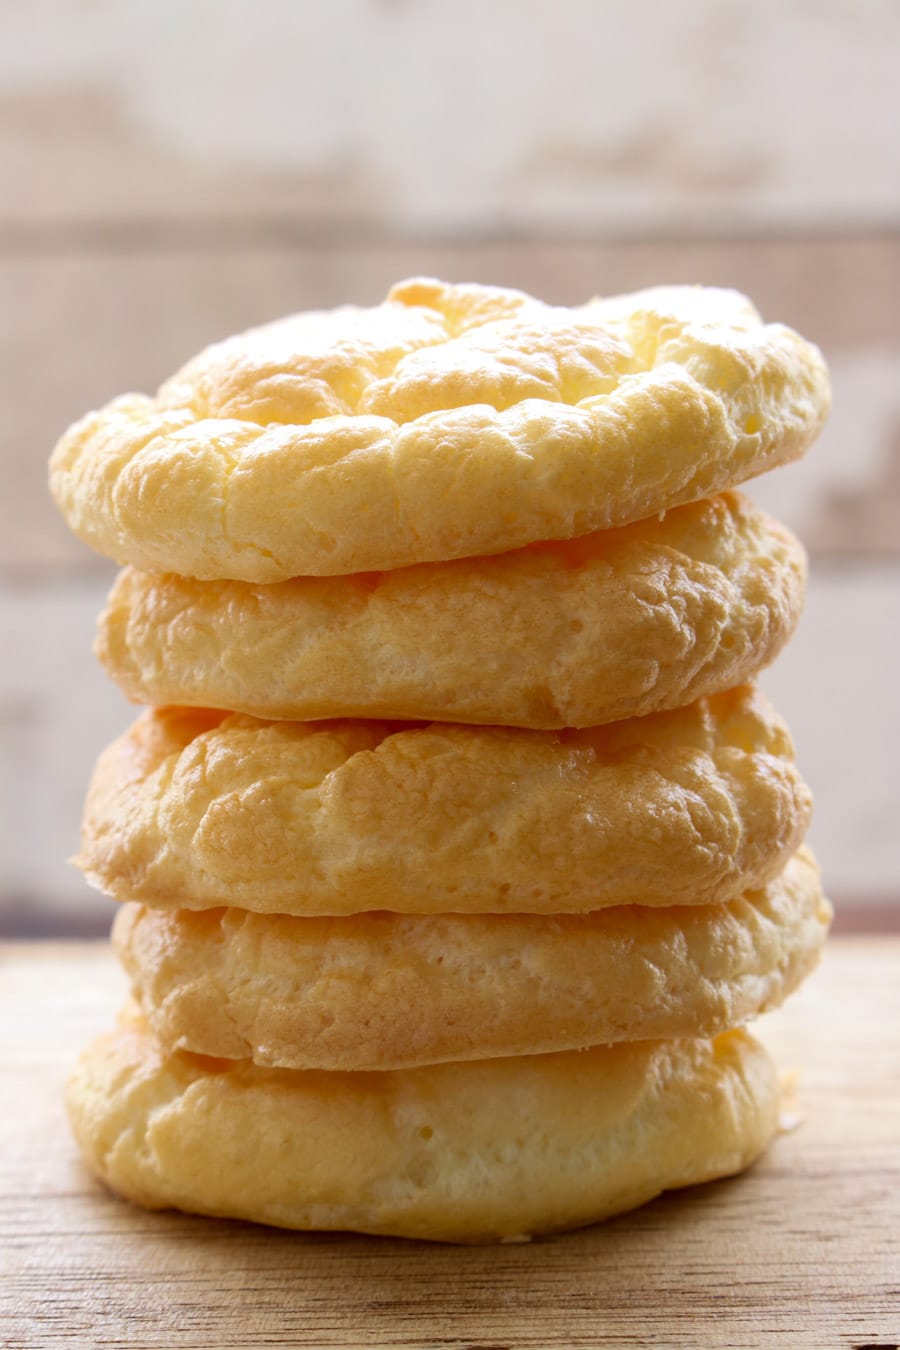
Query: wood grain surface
[{"x": 804, "y": 1250}]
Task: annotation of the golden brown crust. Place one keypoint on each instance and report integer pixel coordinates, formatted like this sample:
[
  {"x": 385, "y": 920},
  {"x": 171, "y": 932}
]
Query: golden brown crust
[
  {"x": 387, "y": 991},
  {"x": 194, "y": 809},
  {"x": 615, "y": 625},
  {"x": 456, "y": 1152},
  {"x": 448, "y": 422}
]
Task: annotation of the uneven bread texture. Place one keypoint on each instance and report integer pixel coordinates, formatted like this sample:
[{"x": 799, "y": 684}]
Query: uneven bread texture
[
  {"x": 472, "y": 1152},
  {"x": 388, "y": 991},
  {"x": 614, "y": 625},
  {"x": 447, "y": 422},
  {"x": 196, "y": 809}
]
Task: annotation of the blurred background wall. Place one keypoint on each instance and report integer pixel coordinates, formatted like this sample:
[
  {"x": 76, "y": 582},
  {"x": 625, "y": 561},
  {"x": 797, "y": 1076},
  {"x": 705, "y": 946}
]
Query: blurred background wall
[{"x": 173, "y": 170}]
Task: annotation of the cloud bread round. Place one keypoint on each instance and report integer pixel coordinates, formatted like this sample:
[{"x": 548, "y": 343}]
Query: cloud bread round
[
  {"x": 195, "y": 809},
  {"x": 390, "y": 991},
  {"x": 473, "y": 1152},
  {"x": 447, "y": 422},
  {"x": 613, "y": 625}
]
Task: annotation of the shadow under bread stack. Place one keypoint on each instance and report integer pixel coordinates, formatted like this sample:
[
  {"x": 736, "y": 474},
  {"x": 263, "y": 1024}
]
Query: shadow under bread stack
[{"x": 457, "y": 846}]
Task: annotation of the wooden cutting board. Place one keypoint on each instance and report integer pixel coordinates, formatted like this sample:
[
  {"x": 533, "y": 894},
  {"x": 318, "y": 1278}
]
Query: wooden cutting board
[{"x": 804, "y": 1250}]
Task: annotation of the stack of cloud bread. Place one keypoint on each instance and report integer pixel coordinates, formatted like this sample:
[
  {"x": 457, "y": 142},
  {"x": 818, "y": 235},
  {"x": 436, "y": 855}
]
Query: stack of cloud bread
[{"x": 456, "y": 848}]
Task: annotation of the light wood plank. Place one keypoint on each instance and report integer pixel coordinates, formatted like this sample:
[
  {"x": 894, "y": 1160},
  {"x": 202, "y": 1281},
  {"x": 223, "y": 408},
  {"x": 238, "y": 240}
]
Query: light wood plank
[
  {"x": 836, "y": 685},
  {"x": 56, "y": 712},
  {"x": 708, "y": 114}
]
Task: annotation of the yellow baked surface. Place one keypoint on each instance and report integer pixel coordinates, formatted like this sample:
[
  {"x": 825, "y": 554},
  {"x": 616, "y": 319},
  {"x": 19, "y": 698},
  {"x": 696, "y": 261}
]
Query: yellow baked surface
[
  {"x": 393, "y": 991},
  {"x": 192, "y": 809},
  {"x": 473, "y": 1152},
  {"x": 447, "y": 422},
  {"x": 613, "y": 625}
]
